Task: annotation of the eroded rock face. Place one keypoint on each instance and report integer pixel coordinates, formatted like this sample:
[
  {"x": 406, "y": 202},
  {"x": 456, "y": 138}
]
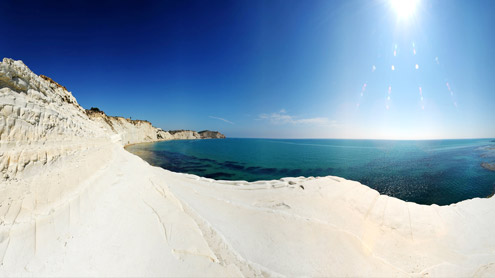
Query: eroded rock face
[
  {"x": 130, "y": 131},
  {"x": 127, "y": 131},
  {"x": 184, "y": 134},
  {"x": 39, "y": 120}
]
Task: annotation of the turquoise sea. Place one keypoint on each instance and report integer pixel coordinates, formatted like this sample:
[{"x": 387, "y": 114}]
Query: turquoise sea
[{"x": 427, "y": 172}]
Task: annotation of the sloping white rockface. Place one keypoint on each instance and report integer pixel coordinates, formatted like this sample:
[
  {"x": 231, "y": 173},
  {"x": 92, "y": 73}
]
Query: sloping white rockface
[
  {"x": 138, "y": 131},
  {"x": 40, "y": 120},
  {"x": 128, "y": 131}
]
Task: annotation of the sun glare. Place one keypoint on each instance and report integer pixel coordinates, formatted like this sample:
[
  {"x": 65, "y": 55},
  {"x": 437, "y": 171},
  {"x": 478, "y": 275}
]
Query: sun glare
[{"x": 404, "y": 8}]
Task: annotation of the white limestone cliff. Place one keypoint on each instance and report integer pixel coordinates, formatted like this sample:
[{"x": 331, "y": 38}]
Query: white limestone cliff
[
  {"x": 128, "y": 131},
  {"x": 40, "y": 120},
  {"x": 138, "y": 131}
]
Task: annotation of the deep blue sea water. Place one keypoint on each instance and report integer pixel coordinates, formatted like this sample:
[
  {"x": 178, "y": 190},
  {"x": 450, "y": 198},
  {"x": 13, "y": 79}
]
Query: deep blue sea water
[{"x": 427, "y": 172}]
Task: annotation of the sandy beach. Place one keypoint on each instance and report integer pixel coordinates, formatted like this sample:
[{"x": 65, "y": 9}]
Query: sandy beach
[{"x": 74, "y": 202}]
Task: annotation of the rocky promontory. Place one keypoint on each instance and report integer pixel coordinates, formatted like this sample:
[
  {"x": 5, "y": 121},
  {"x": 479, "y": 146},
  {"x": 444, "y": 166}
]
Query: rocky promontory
[{"x": 208, "y": 134}]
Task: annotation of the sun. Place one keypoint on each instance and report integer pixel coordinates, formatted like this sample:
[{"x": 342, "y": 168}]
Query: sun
[{"x": 404, "y": 8}]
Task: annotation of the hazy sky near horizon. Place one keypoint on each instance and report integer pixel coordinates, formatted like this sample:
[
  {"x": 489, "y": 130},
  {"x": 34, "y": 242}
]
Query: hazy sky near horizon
[{"x": 271, "y": 69}]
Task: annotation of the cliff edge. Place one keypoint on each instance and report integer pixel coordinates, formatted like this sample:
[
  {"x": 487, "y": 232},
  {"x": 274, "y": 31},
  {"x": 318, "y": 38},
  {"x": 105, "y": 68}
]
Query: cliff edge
[{"x": 129, "y": 131}]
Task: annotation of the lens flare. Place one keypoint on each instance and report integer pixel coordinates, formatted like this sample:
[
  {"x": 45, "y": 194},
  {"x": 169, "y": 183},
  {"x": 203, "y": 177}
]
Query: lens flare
[
  {"x": 421, "y": 97},
  {"x": 448, "y": 87},
  {"x": 417, "y": 66},
  {"x": 392, "y": 67},
  {"x": 363, "y": 89},
  {"x": 387, "y": 102}
]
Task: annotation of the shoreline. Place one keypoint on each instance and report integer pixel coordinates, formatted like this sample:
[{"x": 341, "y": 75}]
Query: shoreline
[{"x": 141, "y": 153}]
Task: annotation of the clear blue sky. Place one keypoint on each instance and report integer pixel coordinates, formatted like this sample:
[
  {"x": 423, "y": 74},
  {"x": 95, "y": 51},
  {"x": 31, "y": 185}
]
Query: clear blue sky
[{"x": 277, "y": 69}]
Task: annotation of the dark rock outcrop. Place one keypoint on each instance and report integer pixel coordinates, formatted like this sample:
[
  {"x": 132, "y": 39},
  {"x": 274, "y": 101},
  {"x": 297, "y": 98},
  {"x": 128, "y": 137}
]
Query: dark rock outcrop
[{"x": 208, "y": 134}]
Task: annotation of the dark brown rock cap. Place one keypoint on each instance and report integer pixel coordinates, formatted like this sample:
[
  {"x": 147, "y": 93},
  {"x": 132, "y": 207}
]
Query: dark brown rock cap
[{"x": 208, "y": 134}]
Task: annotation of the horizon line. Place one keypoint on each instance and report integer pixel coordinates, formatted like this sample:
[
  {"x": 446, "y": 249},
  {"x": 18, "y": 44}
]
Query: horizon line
[{"x": 382, "y": 139}]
